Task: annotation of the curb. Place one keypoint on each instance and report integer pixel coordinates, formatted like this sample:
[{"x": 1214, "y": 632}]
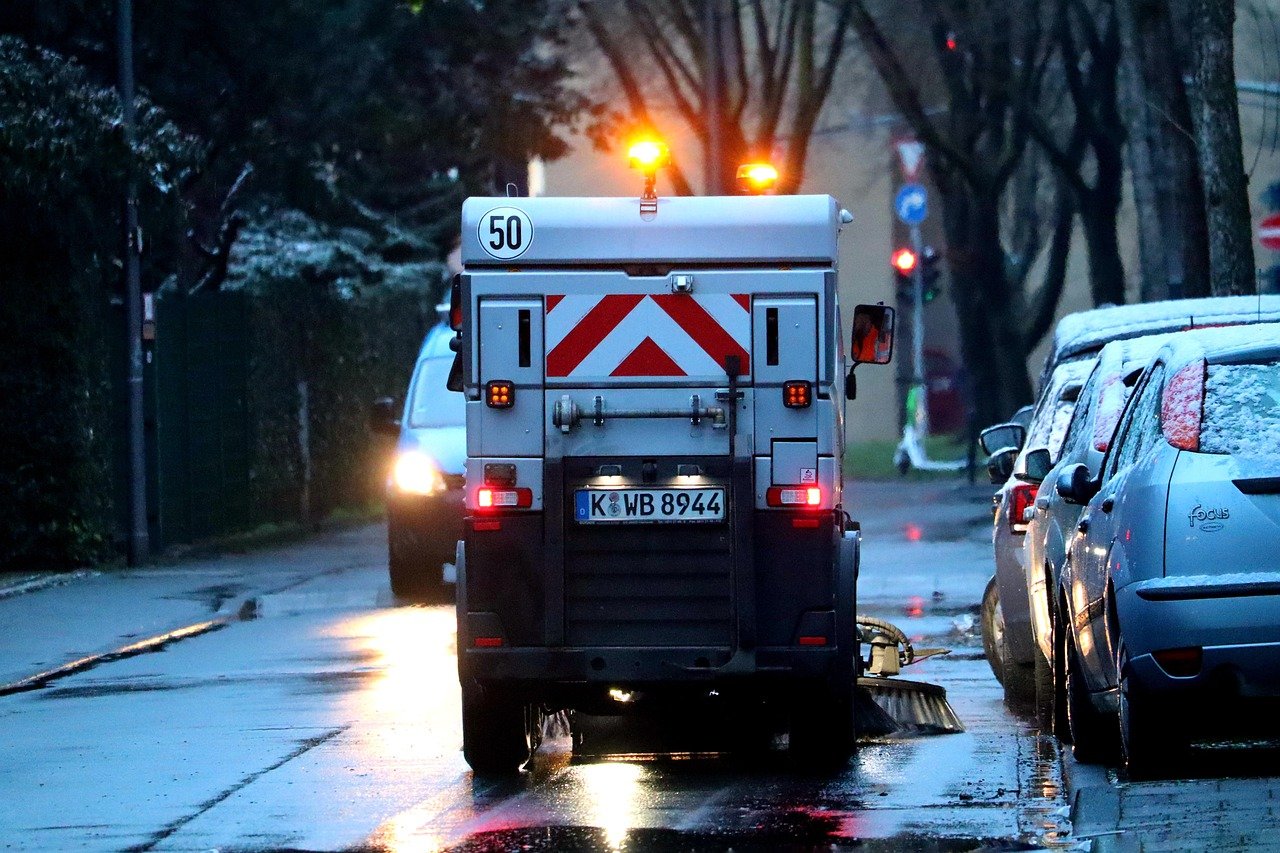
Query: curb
[
  {"x": 247, "y": 611},
  {"x": 35, "y": 583}
]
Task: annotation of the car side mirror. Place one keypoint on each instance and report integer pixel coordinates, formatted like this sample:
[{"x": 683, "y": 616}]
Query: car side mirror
[
  {"x": 1000, "y": 436},
  {"x": 1000, "y": 465},
  {"x": 1076, "y": 485},
  {"x": 1035, "y": 466},
  {"x": 872, "y": 334},
  {"x": 384, "y": 417}
]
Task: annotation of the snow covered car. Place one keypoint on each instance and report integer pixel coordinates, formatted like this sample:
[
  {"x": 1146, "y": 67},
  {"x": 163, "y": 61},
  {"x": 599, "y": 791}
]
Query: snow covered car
[
  {"x": 1007, "y": 629},
  {"x": 1051, "y": 524},
  {"x": 426, "y": 486},
  {"x": 1172, "y": 587},
  {"x": 1078, "y": 339}
]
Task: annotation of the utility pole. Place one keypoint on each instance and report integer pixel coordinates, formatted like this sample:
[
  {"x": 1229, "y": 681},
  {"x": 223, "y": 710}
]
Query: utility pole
[
  {"x": 711, "y": 96},
  {"x": 139, "y": 539}
]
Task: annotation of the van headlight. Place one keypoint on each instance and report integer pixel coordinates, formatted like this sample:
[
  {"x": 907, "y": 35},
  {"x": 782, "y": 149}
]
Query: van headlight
[{"x": 416, "y": 473}]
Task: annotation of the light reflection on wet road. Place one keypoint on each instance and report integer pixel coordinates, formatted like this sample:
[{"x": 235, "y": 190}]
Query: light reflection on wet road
[{"x": 330, "y": 721}]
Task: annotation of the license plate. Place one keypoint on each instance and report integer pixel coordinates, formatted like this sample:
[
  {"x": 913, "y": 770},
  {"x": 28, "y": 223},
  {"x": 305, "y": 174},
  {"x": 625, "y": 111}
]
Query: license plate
[{"x": 631, "y": 505}]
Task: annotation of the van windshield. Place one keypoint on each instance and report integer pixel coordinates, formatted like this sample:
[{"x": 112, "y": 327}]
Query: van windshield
[{"x": 434, "y": 405}]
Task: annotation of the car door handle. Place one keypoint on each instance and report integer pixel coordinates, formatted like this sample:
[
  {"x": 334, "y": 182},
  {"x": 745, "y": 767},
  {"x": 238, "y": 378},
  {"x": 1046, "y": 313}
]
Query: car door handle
[
  {"x": 1042, "y": 503},
  {"x": 1083, "y": 526},
  {"x": 1108, "y": 504}
]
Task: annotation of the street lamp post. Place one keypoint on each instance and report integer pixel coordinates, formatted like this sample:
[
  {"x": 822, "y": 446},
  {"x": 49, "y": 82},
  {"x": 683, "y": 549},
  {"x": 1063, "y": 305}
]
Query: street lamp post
[{"x": 139, "y": 539}]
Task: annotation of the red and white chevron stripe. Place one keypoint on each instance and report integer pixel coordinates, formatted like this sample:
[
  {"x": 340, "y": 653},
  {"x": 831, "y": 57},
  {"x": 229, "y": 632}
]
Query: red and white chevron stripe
[{"x": 636, "y": 335}]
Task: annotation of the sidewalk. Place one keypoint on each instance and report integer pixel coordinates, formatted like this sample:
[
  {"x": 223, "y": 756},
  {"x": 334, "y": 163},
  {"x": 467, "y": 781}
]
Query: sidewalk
[{"x": 94, "y": 615}]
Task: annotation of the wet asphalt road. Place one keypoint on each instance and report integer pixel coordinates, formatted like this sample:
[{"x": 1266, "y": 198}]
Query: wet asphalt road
[{"x": 311, "y": 711}]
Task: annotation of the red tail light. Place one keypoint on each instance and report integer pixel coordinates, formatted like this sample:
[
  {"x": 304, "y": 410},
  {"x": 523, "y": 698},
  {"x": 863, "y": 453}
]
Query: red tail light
[
  {"x": 793, "y": 496},
  {"x": 1021, "y": 497},
  {"x": 797, "y": 394},
  {"x": 1182, "y": 406},
  {"x": 488, "y": 499}
]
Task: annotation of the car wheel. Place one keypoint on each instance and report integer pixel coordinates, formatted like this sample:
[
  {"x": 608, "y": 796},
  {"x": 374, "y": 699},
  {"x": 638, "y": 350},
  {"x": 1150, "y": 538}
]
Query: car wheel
[
  {"x": 1148, "y": 743},
  {"x": 993, "y": 629},
  {"x": 1061, "y": 724},
  {"x": 1093, "y": 733},
  {"x": 499, "y": 733},
  {"x": 410, "y": 567},
  {"x": 1044, "y": 687}
]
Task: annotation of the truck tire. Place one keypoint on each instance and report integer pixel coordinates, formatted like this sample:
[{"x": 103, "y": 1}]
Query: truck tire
[
  {"x": 822, "y": 728},
  {"x": 498, "y": 734}
]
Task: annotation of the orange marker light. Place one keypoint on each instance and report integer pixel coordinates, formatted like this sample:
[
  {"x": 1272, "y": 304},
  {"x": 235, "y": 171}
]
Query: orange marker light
[
  {"x": 757, "y": 177},
  {"x": 648, "y": 155},
  {"x": 500, "y": 394},
  {"x": 797, "y": 394}
]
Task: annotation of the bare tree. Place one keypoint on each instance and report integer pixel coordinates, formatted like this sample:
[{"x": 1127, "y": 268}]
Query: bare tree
[
  {"x": 1216, "y": 115},
  {"x": 1172, "y": 232},
  {"x": 777, "y": 62},
  {"x": 1090, "y": 160},
  {"x": 986, "y": 63}
]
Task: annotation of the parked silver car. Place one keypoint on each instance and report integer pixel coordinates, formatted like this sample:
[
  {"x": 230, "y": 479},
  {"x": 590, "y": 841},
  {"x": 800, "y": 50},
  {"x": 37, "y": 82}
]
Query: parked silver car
[
  {"x": 1170, "y": 587},
  {"x": 1051, "y": 523},
  {"x": 1078, "y": 339}
]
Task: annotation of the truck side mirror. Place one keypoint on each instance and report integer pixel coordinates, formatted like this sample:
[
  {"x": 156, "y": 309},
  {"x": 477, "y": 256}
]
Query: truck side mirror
[
  {"x": 872, "y": 334},
  {"x": 1000, "y": 465},
  {"x": 996, "y": 437},
  {"x": 384, "y": 417},
  {"x": 1076, "y": 486},
  {"x": 1035, "y": 466}
]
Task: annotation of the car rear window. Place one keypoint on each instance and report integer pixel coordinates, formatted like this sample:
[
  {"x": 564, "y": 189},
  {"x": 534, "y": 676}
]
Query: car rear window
[
  {"x": 434, "y": 405},
  {"x": 1242, "y": 410}
]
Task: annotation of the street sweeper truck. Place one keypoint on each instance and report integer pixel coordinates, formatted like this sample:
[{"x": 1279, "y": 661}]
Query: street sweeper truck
[{"x": 655, "y": 401}]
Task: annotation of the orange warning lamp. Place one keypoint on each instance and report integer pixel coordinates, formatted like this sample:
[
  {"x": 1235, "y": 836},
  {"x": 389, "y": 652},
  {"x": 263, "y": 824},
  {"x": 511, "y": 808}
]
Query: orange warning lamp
[
  {"x": 647, "y": 156},
  {"x": 756, "y": 178}
]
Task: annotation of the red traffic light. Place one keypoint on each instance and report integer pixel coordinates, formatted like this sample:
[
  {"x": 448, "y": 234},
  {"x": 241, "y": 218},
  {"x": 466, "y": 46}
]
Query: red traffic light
[{"x": 904, "y": 261}]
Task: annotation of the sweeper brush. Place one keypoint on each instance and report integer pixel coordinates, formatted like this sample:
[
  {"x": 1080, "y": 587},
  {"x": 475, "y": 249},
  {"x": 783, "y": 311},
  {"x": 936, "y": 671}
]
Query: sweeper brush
[{"x": 887, "y": 704}]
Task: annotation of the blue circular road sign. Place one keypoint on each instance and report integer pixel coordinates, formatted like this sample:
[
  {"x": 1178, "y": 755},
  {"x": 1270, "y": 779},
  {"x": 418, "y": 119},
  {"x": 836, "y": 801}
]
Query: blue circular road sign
[{"x": 912, "y": 204}]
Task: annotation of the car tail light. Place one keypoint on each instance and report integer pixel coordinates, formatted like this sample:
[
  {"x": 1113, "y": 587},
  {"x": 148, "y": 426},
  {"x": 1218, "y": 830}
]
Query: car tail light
[
  {"x": 487, "y": 642},
  {"x": 490, "y": 499},
  {"x": 1021, "y": 497},
  {"x": 794, "y": 496},
  {"x": 797, "y": 394},
  {"x": 500, "y": 394},
  {"x": 1180, "y": 663},
  {"x": 1182, "y": 406}
]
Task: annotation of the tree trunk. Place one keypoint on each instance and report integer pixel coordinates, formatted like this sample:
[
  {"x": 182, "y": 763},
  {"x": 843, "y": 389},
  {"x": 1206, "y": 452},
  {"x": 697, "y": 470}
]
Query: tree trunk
[
  {"x": 1166, "y": 173},
  {"x": 1216, "y": 113},
  {"x": 1098, "y": 213},
  {"x": 992, "y": 337}
]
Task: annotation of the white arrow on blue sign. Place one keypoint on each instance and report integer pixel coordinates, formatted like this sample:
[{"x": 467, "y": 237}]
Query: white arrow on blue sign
[{"x": 912, "y": 204}]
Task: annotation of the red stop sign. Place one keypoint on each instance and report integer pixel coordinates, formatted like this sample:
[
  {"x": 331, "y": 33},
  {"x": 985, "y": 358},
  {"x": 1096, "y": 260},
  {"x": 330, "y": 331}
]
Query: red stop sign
[{"x": 1269, "y": 232}]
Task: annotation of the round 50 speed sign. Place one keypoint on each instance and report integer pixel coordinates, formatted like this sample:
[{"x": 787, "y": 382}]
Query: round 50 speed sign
[{"x": 505, "y": 232}]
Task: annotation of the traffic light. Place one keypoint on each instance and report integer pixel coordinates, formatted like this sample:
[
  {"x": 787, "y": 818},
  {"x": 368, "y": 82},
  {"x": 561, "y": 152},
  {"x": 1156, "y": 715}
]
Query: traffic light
[
  {"x": 904, "y": 263},
  {"x": 929, "y": 272}
]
